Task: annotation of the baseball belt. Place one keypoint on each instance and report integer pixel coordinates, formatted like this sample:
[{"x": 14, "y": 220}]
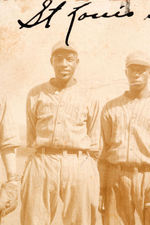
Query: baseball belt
[
  {"x": 64, "y": 152},
  {"x": 141, "y": 168}
]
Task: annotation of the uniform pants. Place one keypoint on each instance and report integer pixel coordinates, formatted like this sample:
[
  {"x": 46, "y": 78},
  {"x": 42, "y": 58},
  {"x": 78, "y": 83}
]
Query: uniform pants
[
  {"x": 51, "y": 178},
  {"x": 127, "y": 194}
]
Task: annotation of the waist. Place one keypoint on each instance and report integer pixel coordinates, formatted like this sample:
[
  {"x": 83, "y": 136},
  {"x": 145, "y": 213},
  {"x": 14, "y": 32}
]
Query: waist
[
  {"x": 129, "y": 167},
  {"x": 78, "y": 152}
]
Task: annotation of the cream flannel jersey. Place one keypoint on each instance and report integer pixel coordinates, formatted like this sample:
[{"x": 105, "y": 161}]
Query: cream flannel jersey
[
  {"x": 63, "y": 119},
  {"x": 126, "y": 130}
]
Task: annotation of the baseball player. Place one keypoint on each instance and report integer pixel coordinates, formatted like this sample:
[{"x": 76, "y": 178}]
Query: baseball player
[
  {"x": 63, "y": 128},
  {"x": 8, "y": 142},
  {"x": 126, "y": 153}
]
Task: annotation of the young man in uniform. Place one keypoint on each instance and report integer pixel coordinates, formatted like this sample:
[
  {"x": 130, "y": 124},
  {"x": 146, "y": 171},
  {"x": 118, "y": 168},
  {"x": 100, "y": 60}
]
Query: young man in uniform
[
  {"x": 8, "y": 143},
  {"x": 126, "y": 154},
  {"x": 63, "y": 128}
]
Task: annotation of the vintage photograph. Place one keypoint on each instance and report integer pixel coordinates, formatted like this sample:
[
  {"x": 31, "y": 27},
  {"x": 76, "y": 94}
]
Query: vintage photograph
[{"x": 74, "y": 112}]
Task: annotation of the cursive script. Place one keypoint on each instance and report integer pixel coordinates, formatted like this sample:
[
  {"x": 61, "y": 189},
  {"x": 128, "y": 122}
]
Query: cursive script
[{"x": 39, "y": 17}]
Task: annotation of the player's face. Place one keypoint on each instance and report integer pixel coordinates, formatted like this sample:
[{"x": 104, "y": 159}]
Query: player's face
[
  {"x": 64, "y": 63},
  {"x": 137, "y": 75}
]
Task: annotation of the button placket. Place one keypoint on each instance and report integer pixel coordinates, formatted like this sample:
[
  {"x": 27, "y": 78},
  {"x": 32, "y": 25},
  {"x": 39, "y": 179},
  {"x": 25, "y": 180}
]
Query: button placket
[
  {"x": 59, "y": 119},
  {"x": 133, "y": 122},
  {"x": 131, "y": 126}
]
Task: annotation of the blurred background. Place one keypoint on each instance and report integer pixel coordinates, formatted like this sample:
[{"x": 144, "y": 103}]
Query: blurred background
[{"x": 103, "y": 45}]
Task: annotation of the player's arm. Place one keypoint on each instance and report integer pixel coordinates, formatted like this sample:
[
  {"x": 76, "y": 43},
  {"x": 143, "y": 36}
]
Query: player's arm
[
  {"x": 105, "y": 143},
  {"x": 106, "y": 128},
  {"x": 93, "y": 124},
  {"x": 9, "y": 139},
  {"x": 9, "y": 160},
  {"x": 9, "y": 190},
  {"x": 94, "y": 131},
  {"x": 8, "y": 142},
  {"x": 30, "y": 120}
]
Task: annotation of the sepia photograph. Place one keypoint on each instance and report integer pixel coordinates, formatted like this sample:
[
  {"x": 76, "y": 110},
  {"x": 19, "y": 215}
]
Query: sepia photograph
[{"x": 74, "y": 112}]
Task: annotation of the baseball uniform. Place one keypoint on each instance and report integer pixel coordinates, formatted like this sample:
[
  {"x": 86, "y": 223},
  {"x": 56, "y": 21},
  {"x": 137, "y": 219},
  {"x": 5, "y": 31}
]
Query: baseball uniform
[
  {"x": 63, "y": 126},
  {"x": 126, "y": 127}
]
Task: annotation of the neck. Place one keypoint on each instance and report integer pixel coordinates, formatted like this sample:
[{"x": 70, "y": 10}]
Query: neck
[
  {"x": 61, "y": 85},
  {"x": 139, "y": 93}
]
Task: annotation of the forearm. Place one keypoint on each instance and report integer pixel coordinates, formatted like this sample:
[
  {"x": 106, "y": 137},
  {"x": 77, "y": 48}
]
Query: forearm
[
  {"x": 9, "y": 191},
  {"x": 9, "y": 160}
]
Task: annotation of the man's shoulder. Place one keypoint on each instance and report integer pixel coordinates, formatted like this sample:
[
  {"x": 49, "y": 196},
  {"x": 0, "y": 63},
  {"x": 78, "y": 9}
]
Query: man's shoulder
[
  {"x": 115, "y": 102},
  {"x": 36, "y": 90}
]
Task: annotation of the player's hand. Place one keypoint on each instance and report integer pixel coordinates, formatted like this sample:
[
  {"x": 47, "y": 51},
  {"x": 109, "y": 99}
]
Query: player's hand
[
  {"x": 8, "y": 197},
  {"x": 101, "y": 204}
]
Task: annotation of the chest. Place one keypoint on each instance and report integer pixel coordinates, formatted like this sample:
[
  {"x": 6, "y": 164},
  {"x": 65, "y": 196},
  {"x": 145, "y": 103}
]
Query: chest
[
  {"x": 66, "y": 106},
  {"x": 135, "y": 114}
]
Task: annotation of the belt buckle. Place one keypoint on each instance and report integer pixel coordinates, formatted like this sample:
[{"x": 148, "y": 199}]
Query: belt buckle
[
  {"x": 136, "y": 169},
  {"x": 80, "y": 153},
  {"x": 65, "y": 153},
  {"x": 77, "y": 153}
]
